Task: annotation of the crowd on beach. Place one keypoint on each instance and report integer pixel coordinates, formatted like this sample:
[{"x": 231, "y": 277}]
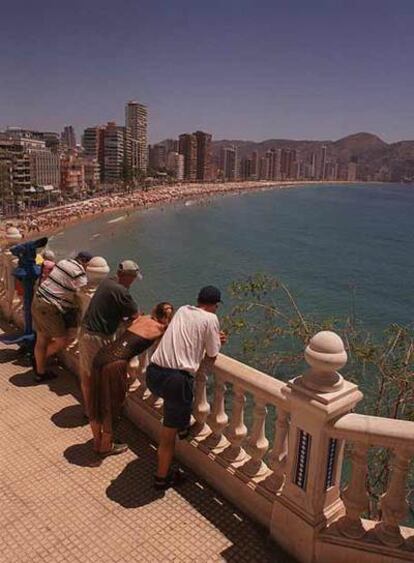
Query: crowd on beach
[
  {"x": 112, "y": 332},
  {"x": 52, "y": 219}
]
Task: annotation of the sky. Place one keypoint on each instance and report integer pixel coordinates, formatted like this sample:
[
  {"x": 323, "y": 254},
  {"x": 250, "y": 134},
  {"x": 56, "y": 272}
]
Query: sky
[{"x": 239, "y": 69}]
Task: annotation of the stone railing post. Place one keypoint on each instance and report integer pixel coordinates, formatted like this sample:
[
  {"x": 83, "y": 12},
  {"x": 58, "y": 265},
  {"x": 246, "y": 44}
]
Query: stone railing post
[
  {"x": 278, "y": 455},
  {"x": 394, "y": 506},
  {"x": 96, "y": 271},
  {"x": 13, "y": 236},
  {"x": 257, "y": 444},
  {"x": 310, "y": 498},
  {"x": 218, "y": 419},
  {"x": 237, "y": 430},
  {"x": 355, "y": 496},
  {"x": 201, "y": 408}
]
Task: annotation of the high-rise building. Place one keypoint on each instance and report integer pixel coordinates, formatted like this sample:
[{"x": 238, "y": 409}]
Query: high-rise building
[
  {"x": 229, "y": 162},
  {"x": 313, "y": 166},
  {"x": 158, "y": 156},
  {"x": 44, "y": 168},
  {"x": 93, "y": 145},
  {"x": 91, "y": 173},
  {"x": 322, "y": 171},
  {"x": 72, "y": 174},
  {"x": 245, "y": 168},
  {"x": 6, "y": 179},
  {"x": 175, "y": 164},
  {"x": 115, "y": 152},
  {"x": 92, "y": 141},
  {"x": 188, "y": 148},
  {"x": 136, "y": 120},
  {"x": 204, "y": 156},
  {"x": 171, "y": 145},
  {"x": 68, "y": 137},
  {"x": 352, "y": 172},
  {"x": 254, "y": 173},
  {"x": 33, "y": 163}
]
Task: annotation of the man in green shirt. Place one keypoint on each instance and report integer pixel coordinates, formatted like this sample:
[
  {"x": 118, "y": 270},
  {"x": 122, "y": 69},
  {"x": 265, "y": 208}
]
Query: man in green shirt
[{"x": 110, "y": 304}]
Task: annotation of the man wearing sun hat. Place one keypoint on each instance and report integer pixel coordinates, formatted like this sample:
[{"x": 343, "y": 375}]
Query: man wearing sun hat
[
  {"x": 55, "y": 301},
  {"x": 110, "y": 304}
]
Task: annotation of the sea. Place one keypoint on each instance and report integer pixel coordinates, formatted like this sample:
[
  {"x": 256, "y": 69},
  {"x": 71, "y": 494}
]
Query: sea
[{"x": 340, "y": 249}]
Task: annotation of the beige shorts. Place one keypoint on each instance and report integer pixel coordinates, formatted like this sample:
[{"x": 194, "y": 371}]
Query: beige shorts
[
  {"x": 90, "y": 343},
  {"x": 48, "y": 319}
]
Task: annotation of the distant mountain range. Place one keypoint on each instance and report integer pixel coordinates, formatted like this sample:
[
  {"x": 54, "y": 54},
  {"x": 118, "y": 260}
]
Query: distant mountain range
[{"x": 376, "y": 159}]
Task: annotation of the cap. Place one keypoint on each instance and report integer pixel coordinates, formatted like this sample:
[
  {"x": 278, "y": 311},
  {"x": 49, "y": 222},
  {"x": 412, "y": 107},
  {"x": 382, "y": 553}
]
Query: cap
[
  {"x": 210, "y": 295},
  {"x": 130, "y": 267},
  {"x": 84, "y": 256}
]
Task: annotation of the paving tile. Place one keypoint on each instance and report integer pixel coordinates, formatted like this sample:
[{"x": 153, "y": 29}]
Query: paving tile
[{"x": 61, "y": 503}]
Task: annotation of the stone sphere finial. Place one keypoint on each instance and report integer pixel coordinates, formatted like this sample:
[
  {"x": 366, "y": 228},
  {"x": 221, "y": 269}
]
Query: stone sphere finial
[
  {"x": 325, "y": 354},
  {"x": 13, "y": 234},
  {"x": 97, "y": 269}
]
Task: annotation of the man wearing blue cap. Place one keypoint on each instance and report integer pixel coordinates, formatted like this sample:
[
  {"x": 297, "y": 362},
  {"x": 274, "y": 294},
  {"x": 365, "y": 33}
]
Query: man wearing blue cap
[
  {"x": 193, "y": 333},
  {"x": 54, "y": 308}
]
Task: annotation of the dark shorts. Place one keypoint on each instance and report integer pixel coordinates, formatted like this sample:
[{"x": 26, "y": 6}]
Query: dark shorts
[{"x": 176, "y": 388}]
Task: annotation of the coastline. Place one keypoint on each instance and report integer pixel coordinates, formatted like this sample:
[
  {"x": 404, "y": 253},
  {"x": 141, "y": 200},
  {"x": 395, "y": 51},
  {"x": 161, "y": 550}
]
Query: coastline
[{"x": 53, "y": 220}]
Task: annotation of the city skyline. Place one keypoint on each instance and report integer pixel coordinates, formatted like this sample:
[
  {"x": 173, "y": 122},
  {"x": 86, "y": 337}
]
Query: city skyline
[{"x": 243, "y": 70}]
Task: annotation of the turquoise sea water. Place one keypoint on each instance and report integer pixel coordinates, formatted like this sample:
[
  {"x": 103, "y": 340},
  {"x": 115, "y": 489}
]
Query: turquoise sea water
[{"x": 324, "y": 242}]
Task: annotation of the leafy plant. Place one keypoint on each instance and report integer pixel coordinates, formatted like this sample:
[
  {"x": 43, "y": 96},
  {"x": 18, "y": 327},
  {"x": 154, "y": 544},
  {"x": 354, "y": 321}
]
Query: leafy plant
[{"x": 272, "y": 332}]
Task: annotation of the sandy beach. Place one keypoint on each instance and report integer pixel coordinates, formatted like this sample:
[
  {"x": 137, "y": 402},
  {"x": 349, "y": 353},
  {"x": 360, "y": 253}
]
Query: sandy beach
[{"x": 51, "y": 220}]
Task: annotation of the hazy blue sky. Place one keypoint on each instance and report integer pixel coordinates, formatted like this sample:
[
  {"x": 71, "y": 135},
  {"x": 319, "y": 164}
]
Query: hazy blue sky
[{"x": 237, "y": 68}]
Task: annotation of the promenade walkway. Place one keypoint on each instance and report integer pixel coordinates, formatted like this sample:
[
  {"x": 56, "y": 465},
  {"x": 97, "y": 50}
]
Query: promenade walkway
[{"x": 59, "y": 502}]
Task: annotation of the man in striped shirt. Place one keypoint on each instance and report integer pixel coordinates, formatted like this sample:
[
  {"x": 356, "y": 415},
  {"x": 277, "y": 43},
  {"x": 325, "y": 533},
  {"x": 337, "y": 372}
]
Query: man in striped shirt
[{"x": 55, "y": 302}]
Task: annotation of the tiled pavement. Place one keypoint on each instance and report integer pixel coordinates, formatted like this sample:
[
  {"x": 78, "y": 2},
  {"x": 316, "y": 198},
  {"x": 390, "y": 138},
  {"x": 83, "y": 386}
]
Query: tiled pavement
[{"x": 58, "y": 502}]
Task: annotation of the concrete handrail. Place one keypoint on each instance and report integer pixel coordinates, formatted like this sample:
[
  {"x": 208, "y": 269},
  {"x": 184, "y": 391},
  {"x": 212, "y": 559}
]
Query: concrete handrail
[
  {"x": 294, "y": 489},
  {"x": 374, "y": 431},
  {"x": 251, "y": 380}
]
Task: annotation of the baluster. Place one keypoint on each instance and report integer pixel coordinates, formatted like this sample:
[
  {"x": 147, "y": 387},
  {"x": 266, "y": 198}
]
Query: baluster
[
  {"x": 201, "y": 408},
  {"x": 237, "y": 430},
  {"x": 394, "y": 505},
  {"x": 11, "y": 263},
  {"x": 2, "y": 266},
  {"x": 355, "y": 496},
  {"x": 218, "y": 419},
  {"x": 143, "y": 391},
  {"x": 257, "y": 444},
  {"x": 135, "y": 376},
  {"x": 278, "y": 455}
]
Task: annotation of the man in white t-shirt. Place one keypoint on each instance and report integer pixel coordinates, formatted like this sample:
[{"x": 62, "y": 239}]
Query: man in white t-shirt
[{"x": 192, "y": 333}]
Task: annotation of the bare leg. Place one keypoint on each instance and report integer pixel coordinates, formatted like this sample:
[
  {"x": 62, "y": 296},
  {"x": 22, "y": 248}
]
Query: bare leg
[
  {"x": 97, "y": 435},
  {"x": 40, "y": 352},
  {"x": 56, "y": 346},
  {"x": 85, "y": 387},
  {"x": 107, "y": 436},
  {"x": 166, "y": 450}
]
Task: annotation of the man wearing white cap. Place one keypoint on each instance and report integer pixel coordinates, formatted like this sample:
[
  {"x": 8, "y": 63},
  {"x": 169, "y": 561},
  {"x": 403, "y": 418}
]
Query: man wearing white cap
[{"x": 110, "y": 304}]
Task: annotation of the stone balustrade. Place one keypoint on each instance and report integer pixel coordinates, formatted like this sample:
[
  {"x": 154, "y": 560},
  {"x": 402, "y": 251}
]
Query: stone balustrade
[
  {"x": 284, "y": 470},
  {"x": 364, "y": 432}
]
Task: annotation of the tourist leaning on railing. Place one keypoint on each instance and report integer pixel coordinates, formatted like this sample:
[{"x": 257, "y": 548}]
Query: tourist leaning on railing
[
  {"x": 110, "y": 304},
  {"x": 109, "y": 376},
  {"x": 193, "y": 332},
  {"x": 55, "y": 308}
]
